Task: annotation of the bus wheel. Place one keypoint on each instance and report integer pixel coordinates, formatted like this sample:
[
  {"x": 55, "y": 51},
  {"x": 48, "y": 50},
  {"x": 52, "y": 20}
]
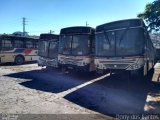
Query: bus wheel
[{"x": 19, "y": 60}]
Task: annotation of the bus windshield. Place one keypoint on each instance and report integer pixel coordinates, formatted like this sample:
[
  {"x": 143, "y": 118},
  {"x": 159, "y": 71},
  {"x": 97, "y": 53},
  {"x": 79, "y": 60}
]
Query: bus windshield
[
  {"x": 80, "y": 45},
  {"x": 127, "y": 42},
  {"x": 43, "y": 48},
  {"x": 65, "y": 44},
  {"x": 75, "y": 45},
  {"x": 53, "y": 50}
]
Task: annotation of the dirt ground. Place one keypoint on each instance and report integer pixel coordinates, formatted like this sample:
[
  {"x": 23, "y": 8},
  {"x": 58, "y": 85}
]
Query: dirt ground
[{"x": 27, "y": 89}]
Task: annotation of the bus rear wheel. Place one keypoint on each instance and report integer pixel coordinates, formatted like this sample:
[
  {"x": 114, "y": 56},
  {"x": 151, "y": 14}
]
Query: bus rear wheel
[{"x": 19, "y": 60}]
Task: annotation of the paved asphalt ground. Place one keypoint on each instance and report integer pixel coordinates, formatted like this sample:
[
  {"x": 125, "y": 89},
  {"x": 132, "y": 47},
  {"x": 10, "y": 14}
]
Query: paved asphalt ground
[{"x": 27, "y": 89}]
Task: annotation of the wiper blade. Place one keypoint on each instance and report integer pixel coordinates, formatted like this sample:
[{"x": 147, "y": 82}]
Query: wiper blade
[
  {"x": 123, "y": 36},
  {"x": 106, "y": 38}
]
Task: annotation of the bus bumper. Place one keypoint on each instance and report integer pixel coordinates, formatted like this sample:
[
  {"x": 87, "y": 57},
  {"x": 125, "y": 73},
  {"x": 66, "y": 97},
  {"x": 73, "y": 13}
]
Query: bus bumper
[
  {"x": 48, "y": 62},
  {"x": 75, "y": 67}
]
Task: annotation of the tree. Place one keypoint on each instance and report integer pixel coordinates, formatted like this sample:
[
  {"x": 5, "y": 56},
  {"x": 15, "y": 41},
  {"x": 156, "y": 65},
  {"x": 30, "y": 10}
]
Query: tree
[{"x": 151, "y": 15}]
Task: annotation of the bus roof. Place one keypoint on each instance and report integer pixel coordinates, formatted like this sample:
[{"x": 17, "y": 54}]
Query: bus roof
[
  {"x": 120, "y": 24},
  {"x": 14, "y": 36},
  {"x": 77, "y": 30},
  {"x": 47, "y": 36}
]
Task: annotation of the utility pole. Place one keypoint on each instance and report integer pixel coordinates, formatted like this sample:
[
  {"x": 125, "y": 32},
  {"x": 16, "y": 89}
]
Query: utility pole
[
  {"x": 24, "y": 24},
  {"x": 87, "y": 23},
  {"x": 51, "y": 31}
]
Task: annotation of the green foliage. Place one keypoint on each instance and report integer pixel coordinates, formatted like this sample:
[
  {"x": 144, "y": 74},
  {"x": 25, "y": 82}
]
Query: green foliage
[{"x": 151, "y": 15}]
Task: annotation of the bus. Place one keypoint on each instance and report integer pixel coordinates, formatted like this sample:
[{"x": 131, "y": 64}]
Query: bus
[
  {"x": 124, "y": 45},
  {"x": 76, "y": 48},
  {"x": 48, "y": 50},
  {"x": 156, "y": 43},
  {"x": 17, "y": 49}
]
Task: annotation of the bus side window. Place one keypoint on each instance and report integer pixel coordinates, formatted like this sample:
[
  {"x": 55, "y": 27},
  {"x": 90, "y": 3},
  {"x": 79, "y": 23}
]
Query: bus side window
[
  {"x": 18, "y": 44},
  {"x": 29, "y": 44},
  {"x": 7, "y": 45},
  {"x": 35, "y": 43}
]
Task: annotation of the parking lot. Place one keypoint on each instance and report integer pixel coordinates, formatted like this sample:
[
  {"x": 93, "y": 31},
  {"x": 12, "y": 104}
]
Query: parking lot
[{"x": 27, "y": 89}]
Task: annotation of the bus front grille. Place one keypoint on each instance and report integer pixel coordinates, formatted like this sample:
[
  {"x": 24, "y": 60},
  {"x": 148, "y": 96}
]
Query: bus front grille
[{"x": 116, "y": 66}]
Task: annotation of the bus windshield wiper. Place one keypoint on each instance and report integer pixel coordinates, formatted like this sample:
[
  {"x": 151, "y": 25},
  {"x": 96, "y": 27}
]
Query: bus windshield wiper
[
  {"x": 123, "y": 36},
  {"x": 106, "y": 38}
]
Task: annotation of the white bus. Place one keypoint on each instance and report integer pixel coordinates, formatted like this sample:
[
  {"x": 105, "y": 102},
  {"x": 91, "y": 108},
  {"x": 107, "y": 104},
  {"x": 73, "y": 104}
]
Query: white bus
[
  {"x": 76, "y": 48},
  {"x": 48, "y": 50},
  {"x": 124, "y": 45},
  {"x": 17, "y": 49}
]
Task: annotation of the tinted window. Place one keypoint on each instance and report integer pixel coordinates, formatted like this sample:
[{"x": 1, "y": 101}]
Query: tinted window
[
  {"x": 7, "y": 44},
  {"x": 65, "y": 44},
  {"x": 105, "y": 44},
  {"x": 29, "y": 44},
  {"x": 120, "y": 43},
  {"x": 53, "y": 50},
  {"x": 43, "y": 48},
  {"x": 75, "y": 44},
  {"x": 132, "y": 42},
  {"x": 81, "y": 45},
  {"x": 35, "y": 44},
  {"x": 18, "y": 44}
]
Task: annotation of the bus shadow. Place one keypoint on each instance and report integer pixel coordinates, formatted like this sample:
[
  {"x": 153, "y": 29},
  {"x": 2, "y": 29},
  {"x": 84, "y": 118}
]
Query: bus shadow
[
  {"x": 113, "y": 95},
  {"x": 52, "y": 81}
]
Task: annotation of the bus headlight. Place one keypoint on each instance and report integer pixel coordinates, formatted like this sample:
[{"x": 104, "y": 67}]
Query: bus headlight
[
  {"x": 60, "y": 61},
  {"x": 133, "y": 67}
]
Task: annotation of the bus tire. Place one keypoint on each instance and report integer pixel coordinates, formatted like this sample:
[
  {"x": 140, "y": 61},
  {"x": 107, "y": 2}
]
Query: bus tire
[{"x": 19, "y": 60}]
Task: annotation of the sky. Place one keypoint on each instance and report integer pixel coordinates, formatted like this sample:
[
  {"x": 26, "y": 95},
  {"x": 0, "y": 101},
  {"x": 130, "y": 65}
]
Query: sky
[{"x": 45, "y": 15}]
